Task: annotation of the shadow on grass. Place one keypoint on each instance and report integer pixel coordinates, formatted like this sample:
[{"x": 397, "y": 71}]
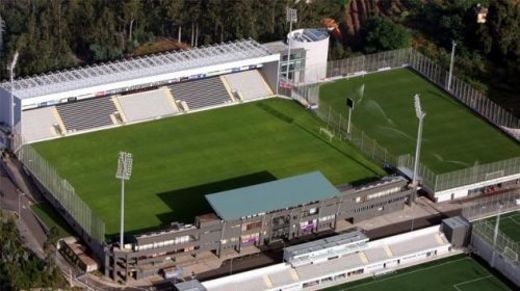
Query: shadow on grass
[
  {"x": 189, "y": 202},
  {"x": 275, "y": 112}
]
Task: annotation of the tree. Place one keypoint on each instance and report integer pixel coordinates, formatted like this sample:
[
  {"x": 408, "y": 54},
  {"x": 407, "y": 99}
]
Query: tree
[{"x": 380, "y": 34}]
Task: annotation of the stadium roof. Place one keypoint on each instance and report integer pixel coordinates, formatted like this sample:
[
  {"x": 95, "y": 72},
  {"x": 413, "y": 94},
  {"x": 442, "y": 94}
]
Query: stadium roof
[
  {"x": 128, "y": 69},
  {"x": 310, "y": 34},
  {"x": 270, "y": 196}
]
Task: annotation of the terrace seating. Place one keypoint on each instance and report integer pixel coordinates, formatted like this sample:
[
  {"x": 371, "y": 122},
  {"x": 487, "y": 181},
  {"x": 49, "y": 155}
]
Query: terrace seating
[
  {"x": 147, "y": 105},
  {"x": 38, "y": 124},
  {"x": 87, "y": 114},
  {"x": 201, "y": 93},
  {"x": 249, "y": 84}
]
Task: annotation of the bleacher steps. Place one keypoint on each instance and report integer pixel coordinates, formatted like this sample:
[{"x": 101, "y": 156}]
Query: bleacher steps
[
  {"x": 115, "y": 99},
  {"x": 59, "y": 121},
  {"x": 171, "y": 98},
  {"x": 228, "y": 88}
]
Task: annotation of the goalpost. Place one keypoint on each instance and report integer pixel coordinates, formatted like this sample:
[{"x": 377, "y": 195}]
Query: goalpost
[{"x": 327, "y": 133}]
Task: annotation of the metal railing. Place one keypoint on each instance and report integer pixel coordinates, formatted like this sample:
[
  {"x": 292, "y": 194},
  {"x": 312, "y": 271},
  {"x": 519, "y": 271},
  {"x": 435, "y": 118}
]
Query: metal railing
[
  {"x": 308, "y": 93},
  {"x": 63, "y": 192}
]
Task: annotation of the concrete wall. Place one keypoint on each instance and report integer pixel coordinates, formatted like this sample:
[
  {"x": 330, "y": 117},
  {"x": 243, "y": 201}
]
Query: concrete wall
[{"x": 271, "y": 74}]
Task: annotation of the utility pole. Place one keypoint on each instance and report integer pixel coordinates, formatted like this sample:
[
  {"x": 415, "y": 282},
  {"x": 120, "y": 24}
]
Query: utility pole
[
  {"x": 292, "y": 16},
  {"x": 452, "y": 60},
  {"x": 124, "y": 171}
]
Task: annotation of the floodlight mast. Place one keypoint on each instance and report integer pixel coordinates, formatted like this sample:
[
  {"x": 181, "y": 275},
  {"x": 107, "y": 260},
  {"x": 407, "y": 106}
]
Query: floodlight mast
[
  {"x": 292, "y": 16},
  {"x": 452, "y": 61},
  {"x": 495, "y": 235},
  {"x": 420, "y": 115},
  {"x": 11, "y": 95},
  {"x": 124, "y": 171}
]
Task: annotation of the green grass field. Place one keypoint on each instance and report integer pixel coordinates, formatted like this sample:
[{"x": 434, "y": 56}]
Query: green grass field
[
  {"x": 453, "y": 137},
  {"x": 178, "y": 160},
  {"x": 509, "y": 224},
  {"x": 458, "y": 273},
  {"x": 51, "y": 218}
]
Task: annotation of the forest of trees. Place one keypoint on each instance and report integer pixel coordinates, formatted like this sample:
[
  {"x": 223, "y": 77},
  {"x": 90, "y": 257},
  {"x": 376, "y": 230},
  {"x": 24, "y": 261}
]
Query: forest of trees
[
  {"x": 56, "y": 34},
  {"x": 19, "y": 268}
]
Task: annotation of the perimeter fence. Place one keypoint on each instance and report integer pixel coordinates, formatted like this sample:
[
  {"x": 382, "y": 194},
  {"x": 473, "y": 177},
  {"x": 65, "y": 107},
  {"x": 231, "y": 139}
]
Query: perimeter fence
[
  {"x": 63, "y": 192},
  {"x": 308, "y": 93}
]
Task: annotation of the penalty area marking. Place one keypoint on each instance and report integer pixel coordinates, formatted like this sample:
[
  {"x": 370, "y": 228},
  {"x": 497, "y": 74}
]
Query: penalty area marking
[
  {"x": 404, "y": 274},
  {"x": 456, "y": 286}
]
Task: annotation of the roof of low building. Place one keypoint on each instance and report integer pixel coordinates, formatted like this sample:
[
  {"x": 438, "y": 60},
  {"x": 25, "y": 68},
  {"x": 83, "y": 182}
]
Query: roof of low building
[{"x": 270, "y": 196}]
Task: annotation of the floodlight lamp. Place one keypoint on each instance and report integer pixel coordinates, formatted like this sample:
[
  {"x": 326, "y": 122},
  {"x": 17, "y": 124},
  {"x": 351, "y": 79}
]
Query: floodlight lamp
[
  {"x": 418, "y": 110},
  {"x": 124, "y": 166},
  {"x": 291, "y": 14}
]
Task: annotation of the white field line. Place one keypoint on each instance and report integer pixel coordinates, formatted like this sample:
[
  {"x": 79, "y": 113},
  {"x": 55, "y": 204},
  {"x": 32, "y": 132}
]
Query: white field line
[
  {"x": 404, "y": 274},
  {"x": 456, "y": 286}
]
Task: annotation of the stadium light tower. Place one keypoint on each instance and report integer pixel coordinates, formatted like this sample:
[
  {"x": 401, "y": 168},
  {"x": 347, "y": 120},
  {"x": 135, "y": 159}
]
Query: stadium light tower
[
  {"x": 420, "y": 115},
  {"x": 452, "y": 60},
  {"x": 124, "y": 171},
  {"x": 495, "y": 235},
  {"x": 11, "y": 97},
  {"x": 292, "y": 16}
]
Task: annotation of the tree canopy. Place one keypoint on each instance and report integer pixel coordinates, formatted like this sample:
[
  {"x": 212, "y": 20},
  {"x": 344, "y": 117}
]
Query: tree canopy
[{"x": 380, "y": 34}]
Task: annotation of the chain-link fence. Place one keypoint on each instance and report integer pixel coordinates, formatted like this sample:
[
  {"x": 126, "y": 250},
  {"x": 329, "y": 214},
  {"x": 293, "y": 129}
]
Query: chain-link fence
[
  {"x": 337, "y": 124},
  {"x": 466, "y": 94},
  {"x": 308, "y": 93},
  {"x": 500, "y": 242},
  {"x": 477, "y": 173},
  {"x": 63, "y": 192},
  {"x": 426, "y": 176},
  {"x": 492, "y": 205}
]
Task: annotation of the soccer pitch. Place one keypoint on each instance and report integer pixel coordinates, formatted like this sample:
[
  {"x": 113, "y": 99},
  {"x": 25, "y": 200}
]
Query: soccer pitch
[
  {"x": 178, "y": 160},
  {"x": 453, "y": 136},
  {"x": 509, "y": 225},
  {"x": 458, "y": 273}
]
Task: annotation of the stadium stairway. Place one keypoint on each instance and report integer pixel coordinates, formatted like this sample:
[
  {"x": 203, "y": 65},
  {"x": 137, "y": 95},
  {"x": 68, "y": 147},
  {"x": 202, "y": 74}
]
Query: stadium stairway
[
  {"x": 87, "y": 114},
  {"x": 203, "y": 93}
]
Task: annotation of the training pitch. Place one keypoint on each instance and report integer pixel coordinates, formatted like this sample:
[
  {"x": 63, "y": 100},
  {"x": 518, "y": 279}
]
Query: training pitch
[
  {"x": 453, "y": 137},
  {"x": 509, "y": 225},
  {"x": 180, "y": 159},
  {"x": 458, "y": 273}
]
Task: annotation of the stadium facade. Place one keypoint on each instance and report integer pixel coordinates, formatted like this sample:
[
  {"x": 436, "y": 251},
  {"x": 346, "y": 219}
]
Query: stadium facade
[
  {"x": 258, "y": 215},
  {"x": 142, "y": 89}
]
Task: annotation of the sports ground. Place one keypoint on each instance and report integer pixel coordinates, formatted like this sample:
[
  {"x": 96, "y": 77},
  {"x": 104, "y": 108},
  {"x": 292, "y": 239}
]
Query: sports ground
[
  {"x": 453, "y": 136},
  {"x": 178, "y": 160},
  {"x": 458, "y": 273},
  {"x": 509, "y": 225}
]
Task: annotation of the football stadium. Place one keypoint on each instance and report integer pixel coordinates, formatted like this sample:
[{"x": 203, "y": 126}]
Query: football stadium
[{"x": 233, "y": 147}]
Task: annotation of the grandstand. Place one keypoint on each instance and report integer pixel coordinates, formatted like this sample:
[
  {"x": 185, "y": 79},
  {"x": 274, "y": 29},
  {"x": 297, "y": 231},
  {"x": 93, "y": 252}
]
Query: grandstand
[{"x": 112, "y": 94}]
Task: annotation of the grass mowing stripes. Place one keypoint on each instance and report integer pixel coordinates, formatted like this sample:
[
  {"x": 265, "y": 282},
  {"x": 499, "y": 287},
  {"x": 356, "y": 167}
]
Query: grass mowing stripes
[
  {"x": 178, "y": 160},
  {"x": 453, "y": 137},
  {"x": 457, "y": 273},
  {"x": 509, "y": 225}
]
